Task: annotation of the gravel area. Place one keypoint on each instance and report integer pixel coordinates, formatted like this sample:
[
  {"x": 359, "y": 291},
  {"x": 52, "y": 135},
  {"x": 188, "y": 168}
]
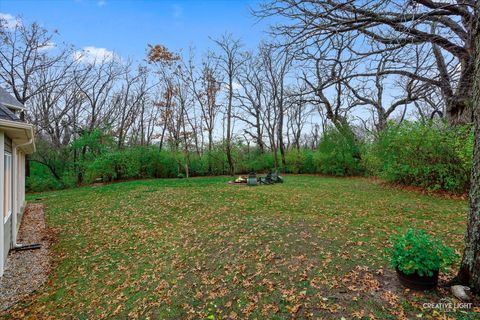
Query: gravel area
[{"x": 26, "y": 271}]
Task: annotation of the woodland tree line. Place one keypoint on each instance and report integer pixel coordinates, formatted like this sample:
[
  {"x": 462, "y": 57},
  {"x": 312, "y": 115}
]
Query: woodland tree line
[
  {"x": 339, "y": 87},
  {"x": 354, "y": 70}
]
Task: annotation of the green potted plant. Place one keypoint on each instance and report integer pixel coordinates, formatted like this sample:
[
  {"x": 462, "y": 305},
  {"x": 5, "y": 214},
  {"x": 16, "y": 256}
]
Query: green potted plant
[{"x": 418, "y": 258}]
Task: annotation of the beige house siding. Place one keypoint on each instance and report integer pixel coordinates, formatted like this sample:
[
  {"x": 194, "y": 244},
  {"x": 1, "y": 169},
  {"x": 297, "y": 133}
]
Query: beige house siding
[
  {"x": 7, "y": 238},
  {"x": 16, "y": 140},
  {"x": 20, "y": 187},
  {"x": 8, "y": 144},
  {"x": 9, "y": 226}
]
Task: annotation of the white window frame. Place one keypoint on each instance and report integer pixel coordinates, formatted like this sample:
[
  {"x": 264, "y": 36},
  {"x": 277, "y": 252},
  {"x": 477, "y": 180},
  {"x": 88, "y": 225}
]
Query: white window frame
[{"x": 8, "y": 185}]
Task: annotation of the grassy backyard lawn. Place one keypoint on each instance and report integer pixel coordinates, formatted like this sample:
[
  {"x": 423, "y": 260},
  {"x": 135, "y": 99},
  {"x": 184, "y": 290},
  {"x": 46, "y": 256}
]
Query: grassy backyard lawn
[{"x": 199, "y": 248}]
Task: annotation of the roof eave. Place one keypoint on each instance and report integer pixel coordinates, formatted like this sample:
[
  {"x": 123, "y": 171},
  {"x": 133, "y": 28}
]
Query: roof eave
[
  {"x": 12, "y": 106},
  {"x": 23, "y": 134}
]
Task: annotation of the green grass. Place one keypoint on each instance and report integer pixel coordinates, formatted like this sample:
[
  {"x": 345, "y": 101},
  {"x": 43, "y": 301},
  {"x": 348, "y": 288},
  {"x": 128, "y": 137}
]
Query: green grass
[{"x": 200, "y": 248}]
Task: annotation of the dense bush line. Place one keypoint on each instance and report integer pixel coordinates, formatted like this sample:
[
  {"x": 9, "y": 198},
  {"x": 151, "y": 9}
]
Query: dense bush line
[
  {"x": 429, "y": 155},
  {"x": 433, "y": 156}
]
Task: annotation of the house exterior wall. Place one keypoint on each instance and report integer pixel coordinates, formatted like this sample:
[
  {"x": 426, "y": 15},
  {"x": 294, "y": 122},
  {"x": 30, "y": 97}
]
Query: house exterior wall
[
  {"x": 20, "y": 187},
  {"x": 7, "y": 238},
  {"x": 8, "y": 144},
  {"x": 9, "y": 226}
]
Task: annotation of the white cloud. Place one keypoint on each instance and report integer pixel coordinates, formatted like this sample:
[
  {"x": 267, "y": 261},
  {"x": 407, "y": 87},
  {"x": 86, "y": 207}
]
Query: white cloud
[
  {"x": 101, "y": 3},
  {"x": 236, "y": 86},
  {"x": 9, "y": 21},
  {"x": 90, "y": 55}
]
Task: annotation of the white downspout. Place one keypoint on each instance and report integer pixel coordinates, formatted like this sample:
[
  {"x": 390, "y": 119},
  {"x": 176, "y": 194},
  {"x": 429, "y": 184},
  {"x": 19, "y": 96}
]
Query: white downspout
[{"x": 15, "y": 190}]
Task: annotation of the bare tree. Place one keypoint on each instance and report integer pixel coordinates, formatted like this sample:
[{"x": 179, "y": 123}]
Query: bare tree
[
  {"x": 148, "y": 118},
  {"x": 205, "y": 87},
  {"x": 298, "y": 113},
  {"x": 372, "y": 91},
  {"x": 251, "y": 98},
  {"x": 230, "y": 59},
  {"x": 394, "y": 26},
  {"x": 430, "y": 106},
  {"x": 325, "y": 74},
  {"x": 276, "y": 64},
  {"x": 166, "y": 63},
  {"x": 52, "y": 109},
  {"x": 128, "y": 101},
  {"x": 182, "y": 127},
  {"x": 312, "y": 141},
  {"x": 25, "y": 52},
  {"x": 96, "y": 83}
]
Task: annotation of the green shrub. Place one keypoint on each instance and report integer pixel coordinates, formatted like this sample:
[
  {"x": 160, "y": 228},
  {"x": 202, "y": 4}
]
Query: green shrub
[
  {"x": 215, "y": 161},
  {"x": 69, "y": 179},
  {"x": 255, "y": 161},
  {"x": 156, "y": 164},
  {"x": 338, "y": 153},
  {"x": 41, "y": 179},
  {"x": 430, "y": 155},
  {"x": 114, "y": 166},
  {"x": 196, "y": 165},
  {"x": 300, "y": 161},
  {"x": 308, "y": 165},
  {"x": 416, "y": 252}
]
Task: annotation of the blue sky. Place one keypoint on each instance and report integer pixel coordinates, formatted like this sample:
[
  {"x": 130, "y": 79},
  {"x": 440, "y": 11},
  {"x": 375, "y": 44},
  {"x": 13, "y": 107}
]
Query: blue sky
[{"x": 127, "y": 26}]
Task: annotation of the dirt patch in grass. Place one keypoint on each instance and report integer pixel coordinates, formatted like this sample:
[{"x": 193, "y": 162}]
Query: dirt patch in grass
[
  {"x": 437, "y": 193},
  {"x": 378, "y": 294},
  {"x": 26, "y": 271}
]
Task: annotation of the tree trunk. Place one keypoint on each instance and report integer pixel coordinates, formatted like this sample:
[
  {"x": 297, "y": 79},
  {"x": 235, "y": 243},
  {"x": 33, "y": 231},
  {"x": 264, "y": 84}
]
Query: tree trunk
[
  {"x": 382, "y": 120},
  {"x": 469, "y": 273},
  {"x": 459, "y": 111},
  {"x": 161, "y": 138},
  {"x": 142, "y": 125},
  {"x": 281, "y": 145},
  {"x": 210, "y": 147},
  {"x": 260, "y": 145},
  {"x": 274, "y": 149},
  {"x": 231, "y": 169}
]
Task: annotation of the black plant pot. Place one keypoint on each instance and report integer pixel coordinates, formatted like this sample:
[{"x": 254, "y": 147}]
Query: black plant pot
[{"x": 416, "y": 282}]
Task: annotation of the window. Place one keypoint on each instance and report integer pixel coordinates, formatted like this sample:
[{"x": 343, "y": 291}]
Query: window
[{"x": 7, "y": 191}]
